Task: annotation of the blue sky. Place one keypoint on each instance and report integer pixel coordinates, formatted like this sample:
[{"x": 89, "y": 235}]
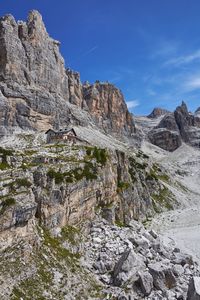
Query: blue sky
[{"x": 150, "y": 49}]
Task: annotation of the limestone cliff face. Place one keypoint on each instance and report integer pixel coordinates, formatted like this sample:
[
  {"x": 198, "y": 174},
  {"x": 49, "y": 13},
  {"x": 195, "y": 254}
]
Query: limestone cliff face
[
  {"x": 106, "y": 103},
  {"x": 73, "y": 186},
  {"x": 30, "y": 57},
  {"x": 37, "y": 90}
]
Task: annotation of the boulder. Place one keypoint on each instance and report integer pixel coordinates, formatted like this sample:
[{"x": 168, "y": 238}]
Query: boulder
[
  {"x": 163, "y": 276},
  {"x": 182, "y": 259},
  {"x": 194, "y": 289},
  {"x": 127, "y": 268},
  {"x": 145, "y": 282}
]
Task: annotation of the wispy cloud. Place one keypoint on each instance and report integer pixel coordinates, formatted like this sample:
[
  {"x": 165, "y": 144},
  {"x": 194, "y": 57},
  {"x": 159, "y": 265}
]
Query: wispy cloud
[
  {"x": 164, "y": 48},
  {"x": 151, "y": 92},
  {"x": 83, "y": 54},
  {"x": 132, "y": 103},
  {"x": 184, "y": 59},
  {"x": 90, "y": 51},
  {"x": 192, "y": 83}
]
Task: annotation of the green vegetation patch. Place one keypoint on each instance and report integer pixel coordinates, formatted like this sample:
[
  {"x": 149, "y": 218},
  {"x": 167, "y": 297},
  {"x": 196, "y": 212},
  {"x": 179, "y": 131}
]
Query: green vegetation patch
[
  {"x": 6, "y": 203},
  {"x": 56, "y": 245},
  {"x": 164, "y": 198},
  {"x": 100, "y": 155},
  {"x": 137, "y": 165},
  {"x": 4, "y": 153},
  {"x": 89, "y": 171},
  {"x": 152, "y": 175},
  {"x": 120, "y": 223},
  {"x": 19, "y": 182},
  {"x": 121, "y": 186},
  {"x": 58, "y": 176},
  {"x": 4, "y": 166},
  {"x": 164, "y": 177},
  {"x": 70, "y": 233},
  {"x": 30, "y": 152},
  {"x": 141, "y": 154},
  {"x": 23, "y": 182}
]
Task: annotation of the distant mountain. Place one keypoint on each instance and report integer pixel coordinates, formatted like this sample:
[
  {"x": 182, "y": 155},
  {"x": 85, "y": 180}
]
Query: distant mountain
[
  {"x": 173, "y": 128},
  {"x": 157, "y": 112}
]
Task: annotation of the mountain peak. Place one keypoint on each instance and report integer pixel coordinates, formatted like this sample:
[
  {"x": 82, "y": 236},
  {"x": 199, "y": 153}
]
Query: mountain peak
[{"x": 157, "y": 112}]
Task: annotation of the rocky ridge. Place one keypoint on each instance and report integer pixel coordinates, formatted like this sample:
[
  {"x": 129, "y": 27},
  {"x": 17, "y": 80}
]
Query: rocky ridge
[{"x": 168, "y": 130}]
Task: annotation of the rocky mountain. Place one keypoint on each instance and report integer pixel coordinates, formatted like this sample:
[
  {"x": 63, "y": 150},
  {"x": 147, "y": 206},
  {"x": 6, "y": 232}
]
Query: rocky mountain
[
  {"x": 157, "y": 112},
  {"x": 76, "y": 219},
  {"x": 168, "y": 130},
  {"x": 37, "y": 90}
]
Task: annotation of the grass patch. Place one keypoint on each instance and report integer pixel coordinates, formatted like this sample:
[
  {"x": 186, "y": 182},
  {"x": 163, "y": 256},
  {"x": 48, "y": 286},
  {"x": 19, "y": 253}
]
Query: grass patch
[
  {"x": 141, "y": 154},
  {"x": 58, "y": 176},
  {"x": 162, "y": 199},
  {"x": 120, "y": 223},
  {"x": 164, "y": 177},
  {"x": 23, "y": 182},
  {"x": 6, "y": 152},
  {"x": 6, "y": 204},
  {"x": 152, "y": 175},
  {"x": 30, "y": 152},
  {"x": 4, "y": 166},
  {"x": 100, "y": 155},
  {"x": 137, "y": 165},
  {"x": 56, "y": 246},
  {"x": 19, "y": 182},
  {"x": 70, "y": 233},
  {"x": 121, "y": 186},
  {"x": 89, "y": 172}
]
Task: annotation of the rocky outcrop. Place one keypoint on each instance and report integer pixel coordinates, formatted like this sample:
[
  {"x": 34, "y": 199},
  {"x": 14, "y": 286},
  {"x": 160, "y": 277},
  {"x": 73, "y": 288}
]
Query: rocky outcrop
[
  {"x": 175, "y": 128},
  {"x": 194, "y": 289},
  {"x": 29, "y": 57},
  {"x": 165, "y": 139},
  {"x": 166, "y": 134},
  {"x": 157, "y": 112},
  {"x": 106, "y": 103},
  {"x": 183, "y": 120},
  {"x": 197, "y": 112},
  {"x": 168, "y": 122},
  {"x": 37, "y": 91}
]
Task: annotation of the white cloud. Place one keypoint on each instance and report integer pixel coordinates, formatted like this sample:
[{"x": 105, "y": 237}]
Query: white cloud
[
  {"x": 184, "y": 59},
  {"x": 151, "y": 92},
  {"x": 192, "y": 83},
  {"x": 132, "y": 103},
  {"x": 165, "y": 49}
]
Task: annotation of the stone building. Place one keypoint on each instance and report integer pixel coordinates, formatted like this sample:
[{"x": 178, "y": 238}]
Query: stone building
[{"x": 66, "y": 135}]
